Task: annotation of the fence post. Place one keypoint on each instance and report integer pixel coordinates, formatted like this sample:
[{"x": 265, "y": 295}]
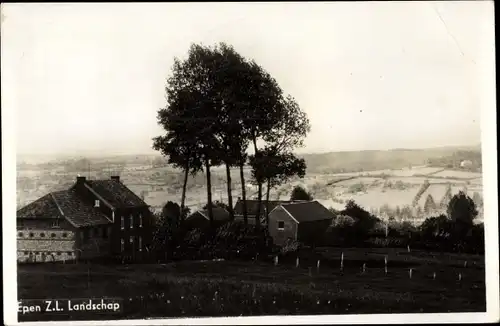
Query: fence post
[
  {"x": 410, "y": 272},
  {"x": 297, "y": 262},
  {"x": 275, "y": 260},
  {"x": 342, "y": 261},
  {"x": 434, "y": 275},
  {"x": 317, "y": 265},
  {"x": 364, "y": 268},
  {"x": 385, "y": 264}
]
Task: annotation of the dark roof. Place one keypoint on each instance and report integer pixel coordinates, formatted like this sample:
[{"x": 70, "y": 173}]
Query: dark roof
[
  {"x": 252, "y": 206},
  {"x": 308, "y": 211},
  {"x": 44, "y": 207},
  {"x": 220, "y": 213},
  {"x": 115, "y": 193},
  {"x": 64, "y": 204},
  {"x": 76, "y": 211}
]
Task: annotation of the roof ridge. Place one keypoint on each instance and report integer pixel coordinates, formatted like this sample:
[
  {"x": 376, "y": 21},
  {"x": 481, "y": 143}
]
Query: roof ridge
[{"x": 89, "y": 187}]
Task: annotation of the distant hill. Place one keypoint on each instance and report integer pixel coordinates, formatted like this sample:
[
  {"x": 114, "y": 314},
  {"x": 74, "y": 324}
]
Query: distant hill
[
  {"x": 369, "y": 160},
  {"x": 330, "y": 162}
]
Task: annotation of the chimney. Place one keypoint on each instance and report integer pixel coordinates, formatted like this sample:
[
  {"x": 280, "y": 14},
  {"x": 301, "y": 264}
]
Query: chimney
[
  {"x": 80, "y": 180},
  {"x": 115, "y": 177}
]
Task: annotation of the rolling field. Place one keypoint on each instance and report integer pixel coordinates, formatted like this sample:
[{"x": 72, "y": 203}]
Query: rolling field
[
  {"x": 233, "y": 288},
  {"x": 370, "y": 189}
]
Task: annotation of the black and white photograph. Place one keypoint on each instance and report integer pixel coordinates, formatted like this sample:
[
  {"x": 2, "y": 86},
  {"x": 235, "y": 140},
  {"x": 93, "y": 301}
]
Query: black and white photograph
[{"x": 249, "y": 163}]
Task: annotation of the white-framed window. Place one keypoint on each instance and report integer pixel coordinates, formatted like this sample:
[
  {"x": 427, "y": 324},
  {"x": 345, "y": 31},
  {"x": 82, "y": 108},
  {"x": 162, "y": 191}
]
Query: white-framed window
[
  {"x": 123, "y": 222},
  {"x": 140, "y": 243},
  {"x": 96, "y": 203},
  {"x": 132, "y": 243},
  {"x": 140, "y": 220},
  {"x": 123, "y": 245},
  {"x": 131, "y": 221},
  {"x": 281, "y": 225}
]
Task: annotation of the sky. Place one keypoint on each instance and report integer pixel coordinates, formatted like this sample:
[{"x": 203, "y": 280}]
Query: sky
[{"x": 89, "y": 78}]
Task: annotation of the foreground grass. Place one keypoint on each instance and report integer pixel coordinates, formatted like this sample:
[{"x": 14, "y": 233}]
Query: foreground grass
[{"x": 256, "y": 288}]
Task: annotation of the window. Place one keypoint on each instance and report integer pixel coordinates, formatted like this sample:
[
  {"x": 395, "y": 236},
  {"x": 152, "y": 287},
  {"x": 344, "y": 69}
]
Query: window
[
  {"x": 20, "y": 234},
  {"x": 55, "y": 223},
  {"x": 42, "y": 235},
  {"x": 59, "y": 253},
  {"x": 281, "y": 225},
  {"x": 140, "y": 243},
  {"x": 131, "y": 221},
  {"x": 123, "y": 245},
  {"x": 52, "y": 235},
  {"x": 31, "y": 235},
  {"x": 123, "y": 222},
  {"x": 96, "y": 203},
  {"x": 85, "y": 235},
  {"x": 140, "y": 220},
  {"x": 26, "y": 253},
  {"x": 70, "y": 253},
  {"x": 65, "y": 235}
]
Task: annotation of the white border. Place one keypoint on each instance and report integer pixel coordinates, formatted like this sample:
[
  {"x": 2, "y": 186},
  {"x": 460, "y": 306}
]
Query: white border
[{"x": 488, "y": 128}]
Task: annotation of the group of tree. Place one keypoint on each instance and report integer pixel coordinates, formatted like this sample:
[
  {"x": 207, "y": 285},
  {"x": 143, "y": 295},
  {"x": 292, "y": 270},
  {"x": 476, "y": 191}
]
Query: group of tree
[
  {"x": 219, "y": 107},
  {"x": 455, "y": 229}
]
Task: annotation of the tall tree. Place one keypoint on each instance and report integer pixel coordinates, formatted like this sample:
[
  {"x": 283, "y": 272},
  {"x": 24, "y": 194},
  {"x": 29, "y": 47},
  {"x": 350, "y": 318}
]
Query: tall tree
[
  {"x": 179, "y": 144},
  {"x": 192, "y": 110},
  {"x": 264, "y": 112},
  {"x": 233, "y": 71}
]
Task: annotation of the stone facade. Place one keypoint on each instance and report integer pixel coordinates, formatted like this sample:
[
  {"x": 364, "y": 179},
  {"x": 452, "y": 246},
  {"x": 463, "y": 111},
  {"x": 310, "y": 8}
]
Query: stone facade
[{"x": 41, "y": 245}]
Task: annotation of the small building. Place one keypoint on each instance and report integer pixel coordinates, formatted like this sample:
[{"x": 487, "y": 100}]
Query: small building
[
  {"x": 465, "y": 164},
  {"x": 91, "y": 219},
  {"x": 200, "y": 219},
  {"x": 300, "y": 221},
  {"x": 252, "y": 206}
]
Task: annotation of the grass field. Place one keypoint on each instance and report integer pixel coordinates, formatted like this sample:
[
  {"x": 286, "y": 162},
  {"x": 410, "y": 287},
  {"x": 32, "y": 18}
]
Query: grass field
[{"x": 232, "y": 288}]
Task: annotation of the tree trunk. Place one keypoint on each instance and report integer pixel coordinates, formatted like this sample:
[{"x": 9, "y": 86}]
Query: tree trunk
[
  {"x": 267, "y": 201},
  {"x": 243, "y": 193},
  {"x": 259, "y": 191},
  {"x": 229, "y": 192},
  {"x": 183, "y": 197},
  {"x": 209, "y": 195}
]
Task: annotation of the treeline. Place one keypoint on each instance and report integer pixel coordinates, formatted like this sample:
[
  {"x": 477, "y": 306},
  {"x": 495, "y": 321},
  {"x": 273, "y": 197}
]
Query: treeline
[
  {"x": 219, "y": 107},
  {"x": 454, "y": 160},
  {"x": 454, "y": 231},
  {"x": 373, "y": 160}
]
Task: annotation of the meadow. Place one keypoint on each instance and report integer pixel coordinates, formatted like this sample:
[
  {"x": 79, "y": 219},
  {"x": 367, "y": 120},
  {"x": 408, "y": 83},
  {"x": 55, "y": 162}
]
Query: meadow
[{"x": 439, "y": 282}]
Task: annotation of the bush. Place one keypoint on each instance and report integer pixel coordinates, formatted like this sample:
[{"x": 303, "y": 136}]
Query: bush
[{"x": 231, "y": 240}]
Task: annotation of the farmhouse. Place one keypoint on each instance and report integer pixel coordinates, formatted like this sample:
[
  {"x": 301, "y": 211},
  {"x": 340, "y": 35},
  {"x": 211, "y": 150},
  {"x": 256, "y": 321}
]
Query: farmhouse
[
  {"x": 91, "y": 219},
  {"x": 200, "y": 218},
  {"x": 299, "y": 221}
]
